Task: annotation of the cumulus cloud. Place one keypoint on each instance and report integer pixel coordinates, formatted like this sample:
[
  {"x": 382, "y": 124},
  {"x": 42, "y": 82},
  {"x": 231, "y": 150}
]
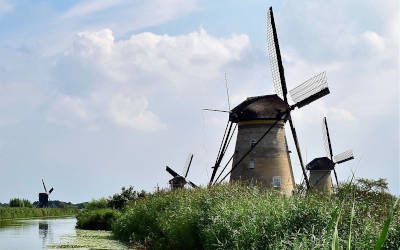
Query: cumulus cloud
[
  {"x": 132, "y": 112},
  {"x": 171, "y": 58},
  {"x": 131, "y": 74}
]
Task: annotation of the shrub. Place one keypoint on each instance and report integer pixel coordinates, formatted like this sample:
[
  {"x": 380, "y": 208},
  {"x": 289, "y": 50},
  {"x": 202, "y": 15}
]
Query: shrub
[
  {"x": 100, "y": 219},
  {"x": 119, "y": 200},
  {"x": 97, "y": 204},
  {"x": 17, "y": 202}
]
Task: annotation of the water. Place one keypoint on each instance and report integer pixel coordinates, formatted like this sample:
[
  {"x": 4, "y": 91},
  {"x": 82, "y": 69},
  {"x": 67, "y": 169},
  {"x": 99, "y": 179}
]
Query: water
[
  {"x": 54, "y": 233},
  {"x": 35, "y": 233}
]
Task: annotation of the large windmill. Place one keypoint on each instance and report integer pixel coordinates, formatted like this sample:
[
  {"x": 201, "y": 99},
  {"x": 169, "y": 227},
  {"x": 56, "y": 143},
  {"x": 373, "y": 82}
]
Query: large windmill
[
  {"x": 261, "y": 152},
  {"x": 179, "y": 181},
  {"x": 320, "y": 168},
  {"x": 44, "y": 197}
]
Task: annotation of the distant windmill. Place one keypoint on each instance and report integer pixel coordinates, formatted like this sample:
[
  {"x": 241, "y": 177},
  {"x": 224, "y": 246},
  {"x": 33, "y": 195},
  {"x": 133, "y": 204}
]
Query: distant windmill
[
  {"x": 261, "y": 152},
  {"x": 320, "y": 168},
  {"x": 44, "y": 197},
  {"x": 179, "y": 181}
]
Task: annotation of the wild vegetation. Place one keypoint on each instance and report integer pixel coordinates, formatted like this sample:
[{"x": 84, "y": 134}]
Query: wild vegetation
[
  {"x": 100, "y": 214},
  {"x": 97, "y": 219},
  {"x": 29, "y": 212},
  {"x": 17, "y": 202},
  {"x": 360, "y": 215}
]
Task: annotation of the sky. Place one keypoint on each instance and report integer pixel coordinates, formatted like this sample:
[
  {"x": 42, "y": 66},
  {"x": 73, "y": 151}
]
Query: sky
[{"x": 95, "y": 95}]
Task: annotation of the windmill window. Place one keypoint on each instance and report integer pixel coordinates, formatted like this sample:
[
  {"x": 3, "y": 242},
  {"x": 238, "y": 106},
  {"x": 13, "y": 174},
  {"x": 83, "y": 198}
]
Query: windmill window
[
  {"x": 252, "y": 143},
  {"x": 252, "y": 164},
  {"x": 276, "y": 181}
]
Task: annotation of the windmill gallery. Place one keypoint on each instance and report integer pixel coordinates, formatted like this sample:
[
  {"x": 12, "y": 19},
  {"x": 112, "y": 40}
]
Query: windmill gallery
[{"x": 261, "y": 152}]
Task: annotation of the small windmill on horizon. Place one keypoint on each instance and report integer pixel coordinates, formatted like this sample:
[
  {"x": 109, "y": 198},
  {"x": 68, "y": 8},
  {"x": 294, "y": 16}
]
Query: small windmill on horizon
[
  {"x": 44, "y": 197},
  {"x": 261, "y": 151},
  {"x": 320, "y": 168},
  {"x": 179, "y": 181}
]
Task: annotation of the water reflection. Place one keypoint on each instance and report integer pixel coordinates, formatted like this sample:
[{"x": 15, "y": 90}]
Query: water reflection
[
  {"x": 34, "y": 233},
  {"x": 43, "y": 231}
]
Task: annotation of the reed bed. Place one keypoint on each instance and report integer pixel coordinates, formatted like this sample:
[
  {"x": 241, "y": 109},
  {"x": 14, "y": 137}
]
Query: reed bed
[
  {"x": 242, "y": 217},
  {"x": 27, "y": 212}
]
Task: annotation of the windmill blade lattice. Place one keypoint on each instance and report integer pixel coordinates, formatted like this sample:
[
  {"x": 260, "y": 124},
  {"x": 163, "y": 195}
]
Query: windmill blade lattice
[
  {"x": 342, "y": 157},
  {"x": 275, "y": 59},
  {"x": 310, "y": 90},
  {"x": 326, "y": 139}
]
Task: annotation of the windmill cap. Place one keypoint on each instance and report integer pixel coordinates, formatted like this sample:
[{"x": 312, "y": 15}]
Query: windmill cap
[
  {"x": 322, "y": 163},
  {"x": 266, "y": 107}
]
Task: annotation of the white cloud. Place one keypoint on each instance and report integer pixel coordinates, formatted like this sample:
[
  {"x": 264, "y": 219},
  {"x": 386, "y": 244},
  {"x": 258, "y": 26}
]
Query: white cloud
[
  {"x": 124, "y": 16},
  {"x": 126, "y": 76},
  {"x": 132, "y": 112},
  {"x": 69, "y": 111},
  {"x": 175, "y": 59},
  {"x": 374, "y": 40},
  {"x": 89, "y": 7}
]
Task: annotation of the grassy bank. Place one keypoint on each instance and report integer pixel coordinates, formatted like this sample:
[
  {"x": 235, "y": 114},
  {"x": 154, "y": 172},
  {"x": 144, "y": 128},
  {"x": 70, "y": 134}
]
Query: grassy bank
[
  {"x": 227, "y": 217},
  {"x": 27, "y": 212}
]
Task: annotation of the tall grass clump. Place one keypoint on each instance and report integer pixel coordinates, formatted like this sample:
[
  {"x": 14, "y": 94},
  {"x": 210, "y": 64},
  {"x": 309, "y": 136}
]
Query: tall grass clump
[
  {"x": 26, "y": 212},
  {"x": 242, "y": 217},
  {"x": 17, "y": 202}
]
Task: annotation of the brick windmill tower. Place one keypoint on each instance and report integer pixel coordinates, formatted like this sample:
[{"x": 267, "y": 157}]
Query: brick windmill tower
[{"x": 261, "y": 151}]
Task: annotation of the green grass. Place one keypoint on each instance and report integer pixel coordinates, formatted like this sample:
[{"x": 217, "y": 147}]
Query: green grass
[
  {"x": 240, "y": 217},
  {"x": 26, "y": 212}
]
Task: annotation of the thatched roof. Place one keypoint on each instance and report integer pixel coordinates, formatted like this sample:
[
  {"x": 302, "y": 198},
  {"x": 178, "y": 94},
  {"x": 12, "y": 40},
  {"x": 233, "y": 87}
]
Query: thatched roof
[
  {"x": 266, "y": 107},
  {"x": 322, "y": 163}
]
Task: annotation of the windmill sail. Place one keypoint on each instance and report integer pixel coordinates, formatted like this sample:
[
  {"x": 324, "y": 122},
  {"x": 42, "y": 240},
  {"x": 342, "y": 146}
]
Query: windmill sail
[
  {"x": 310, "y": 90},
  {"x": 275, "y": 59},
  {"x": 342, "y": 157},
  {"x": 187, "y": 166},
  {"x": 171, "y": 172},
  {"x": 327, "y": 139},
  {"x": 44, "y": 186}
]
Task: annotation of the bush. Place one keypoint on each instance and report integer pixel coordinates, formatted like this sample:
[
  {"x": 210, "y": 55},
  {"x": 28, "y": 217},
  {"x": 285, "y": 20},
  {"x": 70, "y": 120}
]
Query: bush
[
  {"x": 119, "y": 200},
  {"x": 97, "y": 204},
  {"x": 17, "y": 202},
  {"x": 100, "y": 219},
  {"x": 242, "y": 217}
]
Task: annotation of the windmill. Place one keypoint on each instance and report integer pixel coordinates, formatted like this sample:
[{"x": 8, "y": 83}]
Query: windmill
[
  {"x": 44, "y": 197},
  {"x": 320, "y": 168},
  {"x": 179, "y": 181},
  {"x": 261, "y": 152}
]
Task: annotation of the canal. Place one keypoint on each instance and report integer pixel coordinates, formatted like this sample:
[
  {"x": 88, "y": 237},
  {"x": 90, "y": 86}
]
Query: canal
[{"x": 52, "y": 233}]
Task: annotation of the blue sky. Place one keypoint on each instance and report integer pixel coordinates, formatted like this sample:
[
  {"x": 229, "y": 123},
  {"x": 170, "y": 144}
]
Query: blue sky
[{"x": 95, "y": 95}]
